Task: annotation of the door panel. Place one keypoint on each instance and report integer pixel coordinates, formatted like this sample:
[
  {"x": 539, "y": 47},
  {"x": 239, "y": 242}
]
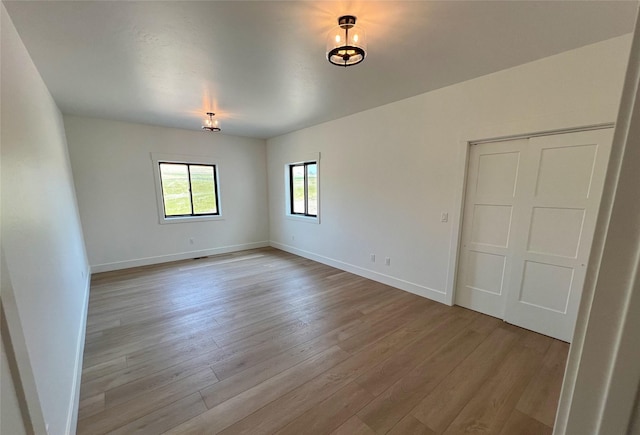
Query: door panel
[
  {"x": 497, "y": 171},
  {"x": 485, "y": 272},
  {"x": 491, "y": 225},
  {"x": 556, "y": 231},
  {"x": 564, "y": 171},
  {"x": 546, "y": 286}
]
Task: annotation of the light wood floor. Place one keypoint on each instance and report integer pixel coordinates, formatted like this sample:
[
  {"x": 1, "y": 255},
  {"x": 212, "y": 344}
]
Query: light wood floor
[{"x": 264, "y": 342}]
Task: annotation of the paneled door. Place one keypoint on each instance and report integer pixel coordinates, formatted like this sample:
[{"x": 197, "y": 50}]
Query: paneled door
[
  {"x": 524, "y": 257},
  {"x": 493, "y": 182},
  {"x": 558, "y": 206}
]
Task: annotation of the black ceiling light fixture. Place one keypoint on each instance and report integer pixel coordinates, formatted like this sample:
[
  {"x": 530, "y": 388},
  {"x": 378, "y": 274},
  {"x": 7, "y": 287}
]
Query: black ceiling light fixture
[
  {"x": 346, "y": 44},
  {"x": 211, "y": 124}
]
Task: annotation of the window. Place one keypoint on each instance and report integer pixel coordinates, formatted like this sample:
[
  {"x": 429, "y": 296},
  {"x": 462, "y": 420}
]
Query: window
[
  {"x": 188, "y": 189},
  {"x": 303, "y": 189}
]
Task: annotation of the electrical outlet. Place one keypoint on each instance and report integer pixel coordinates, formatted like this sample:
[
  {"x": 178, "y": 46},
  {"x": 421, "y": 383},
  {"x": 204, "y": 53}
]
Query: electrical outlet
[
  {"x": 82, "y": 273},
  {"x": 191, "y": 241},
  {"x": 387, "y": 261},
  {"x": 444, "y": 217},
  {"x": 372, "y": 257},
  {"x": 293, "y": 238}
]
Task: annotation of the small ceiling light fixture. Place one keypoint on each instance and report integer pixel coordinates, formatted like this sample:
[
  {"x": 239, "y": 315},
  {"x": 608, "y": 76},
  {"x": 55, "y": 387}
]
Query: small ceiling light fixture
[
  {"x": 346, "y": 44},
  {"x": 211, "y": 124}
]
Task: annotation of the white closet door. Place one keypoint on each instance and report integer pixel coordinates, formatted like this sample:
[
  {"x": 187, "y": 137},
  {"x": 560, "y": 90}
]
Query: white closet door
[
  {"x": 529, "y": 216},
  {"x": 557, "y": 206},
  {"x": 487, "y": 229}
]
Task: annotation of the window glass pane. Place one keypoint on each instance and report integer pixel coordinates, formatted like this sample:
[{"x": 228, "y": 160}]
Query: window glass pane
[
  {"x": 297, "y": 185},
  {"x": 312, "y": 189},
  {"x": 175, "y": 189},
  {"x": 203, "y": 189}
]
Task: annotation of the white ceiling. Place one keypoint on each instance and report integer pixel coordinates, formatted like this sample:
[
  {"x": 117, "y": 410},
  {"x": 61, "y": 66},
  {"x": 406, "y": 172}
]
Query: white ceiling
[{"x": 260, "y": 65}]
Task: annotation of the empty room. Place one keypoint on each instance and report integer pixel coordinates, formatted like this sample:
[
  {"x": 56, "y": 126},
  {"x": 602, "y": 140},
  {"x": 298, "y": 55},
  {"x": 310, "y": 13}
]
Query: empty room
[{"x": 301, "y": 217}]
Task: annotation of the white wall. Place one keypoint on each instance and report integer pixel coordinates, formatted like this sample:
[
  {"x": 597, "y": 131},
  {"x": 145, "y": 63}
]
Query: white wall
[
  {"x": 388, "y": 173},
  {"x": 114, "y": 181},
  {"x": 41, "y": 234}
]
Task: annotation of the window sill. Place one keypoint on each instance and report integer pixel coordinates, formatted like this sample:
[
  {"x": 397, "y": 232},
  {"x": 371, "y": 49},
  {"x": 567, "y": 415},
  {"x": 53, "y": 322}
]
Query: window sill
[
  {"x": 308, "y": 219},
  {"x": 185, "y": 219}
]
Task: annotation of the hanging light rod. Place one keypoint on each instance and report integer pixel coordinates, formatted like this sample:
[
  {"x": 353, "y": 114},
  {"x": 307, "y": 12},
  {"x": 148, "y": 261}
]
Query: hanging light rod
[
  {"x": 211, "y": 124},
  {"x": 346, "y": 44}
]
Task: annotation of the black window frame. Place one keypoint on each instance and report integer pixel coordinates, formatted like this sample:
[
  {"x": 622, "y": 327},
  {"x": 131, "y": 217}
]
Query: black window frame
[
  {"x": 306, "y": 189},
  {"x": 188, "y": 165}
]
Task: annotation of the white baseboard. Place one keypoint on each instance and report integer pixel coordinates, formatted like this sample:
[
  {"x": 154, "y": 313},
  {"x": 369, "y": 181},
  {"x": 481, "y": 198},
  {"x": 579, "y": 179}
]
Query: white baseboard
[
  {"x": 420, "y": 290},
  {"x": 106, "y": 267},
  {"x": 72, "y": 415}
]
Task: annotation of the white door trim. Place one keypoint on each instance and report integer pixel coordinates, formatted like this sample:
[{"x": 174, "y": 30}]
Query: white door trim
[
  {"x": 603, "y": 369},
  {"x": 545, "y": 133},
  {"x": 18, "y": 356}
]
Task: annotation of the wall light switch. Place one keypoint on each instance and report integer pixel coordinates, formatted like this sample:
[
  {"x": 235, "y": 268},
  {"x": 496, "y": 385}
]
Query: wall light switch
[
  {"x": 387, "y": 261},
  {"x": 372, "y": 257},
  {"x": 444, "y": 217}
]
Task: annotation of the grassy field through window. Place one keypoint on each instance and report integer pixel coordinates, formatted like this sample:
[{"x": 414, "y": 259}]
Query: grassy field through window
[
  {"x": 178, "y": 180},
  {"x": 298, "y": 197},
  {"x": 312, "y": 189},
  {"x": 298, "y": 189}
]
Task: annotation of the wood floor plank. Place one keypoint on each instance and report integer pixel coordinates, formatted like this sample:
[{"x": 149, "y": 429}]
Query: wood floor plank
[
  {"x": 225, "y": 363},
  {"x": 184, "y": 348},
  {"x": 540, "y": 399},
  {"x": 101, "y": 326},
  {"x": 124, "y": 393},
  {"x": 147, "y": 347},
  {"x": 230, "y": 411},
  {"x": 91, "y": 405},
  {"x": 259, "y": 335},
  {"x": 353, "y": 426},
  {"x": 396, "y": 318},
  {"x": 331, "y": 413},
  {"x": 117, "y": 416},
  {"x": 409, "y": 425},
  {"x": 131, "y": 319},
  {"x": 164, "y": 418},
  {"x": 252, "y": 376},
  {"x": 398, "y": 400},
  {"x": 228, "y": 362},
  {"x": 261, "y": 341},
  {"x": 134, "y": 331},
  {"x": 445, "y": 402},
  {"x": 441, "y": 329},
  {"x": 275, "y": 415},
  {"x": 243, "y": 355},
  {"x": 521, "y": 424},
  {"x": 489, "y": 409},
  {"x": 367, "y": 307},
  {"x": 104, "y": 368}
]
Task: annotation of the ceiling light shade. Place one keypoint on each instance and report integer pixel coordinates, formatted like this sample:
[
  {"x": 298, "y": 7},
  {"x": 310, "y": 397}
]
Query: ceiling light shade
[
  {"x": 347, "y": 43},
  {"x": 211, "y": 124}
]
